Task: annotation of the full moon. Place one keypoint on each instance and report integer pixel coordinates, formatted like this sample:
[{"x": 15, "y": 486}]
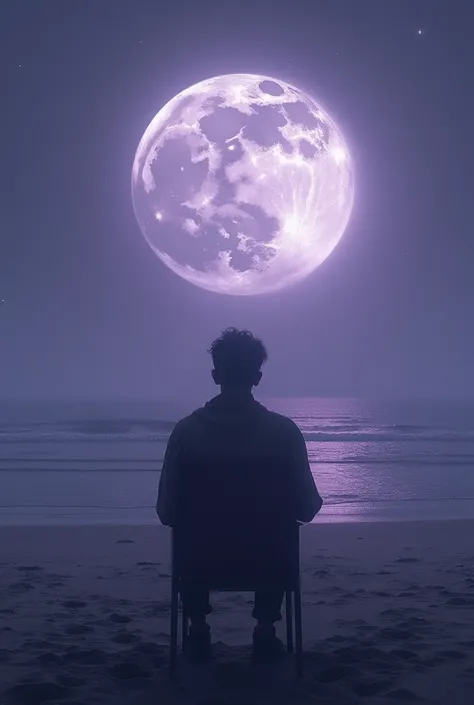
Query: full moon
[{"x": 242, "y": 184}]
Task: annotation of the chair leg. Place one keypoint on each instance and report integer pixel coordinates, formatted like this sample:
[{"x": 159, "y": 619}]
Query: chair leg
[
  {"x": 174, "y": 628},
  {"x": 184, "y": 627},
  {"x": 289, "y": 621},
  {"x": 298, "y": 633}
]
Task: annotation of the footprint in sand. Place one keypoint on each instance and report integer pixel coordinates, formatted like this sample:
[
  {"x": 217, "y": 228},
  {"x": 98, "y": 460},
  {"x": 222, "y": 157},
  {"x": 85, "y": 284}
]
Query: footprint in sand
[
  {"x": 50, "y": 659},
  {"x": 460, "y": 601},
  {"x": 35, "y": 644},
  {"x": 74, "y": 604},
  {"x": 394, "y": 634},
  {"x": 451, "y": 655},
  {"x": 336, "y": 639},
  {"x": 368, "y": 688},
  {"x": 164, "y": 607},
  {"x": 78, "y": 629},
  {"x": 412, "y": 622},
  {"x": 36, "y": 692},
  {"x": 336, "y": 673},
  {"x": 89, "y": 657},
  {"x": 70, "y": 681},
  {"x": 405, "y": 654},
  {"x": 399, "y": 613},
  {"x": 147, "y": 563},
  {"x": 120, "y": 618},
  {"x": 20, "y": 587},
  {"x": 99, "y": 598},
  {"x": 127, "y": 670},
  {"x": 351, "y": 622},
  {"x": 402, "y": 695},
  {"x": 150, "y": 648},
  {"x": 125, "y": 637},
  {"x": 156, "y": 655},
  {"x": 347, "y": 655}
]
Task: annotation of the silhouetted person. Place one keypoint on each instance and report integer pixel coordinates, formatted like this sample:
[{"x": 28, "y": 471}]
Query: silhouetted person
[{"x": 235, "y": 420}]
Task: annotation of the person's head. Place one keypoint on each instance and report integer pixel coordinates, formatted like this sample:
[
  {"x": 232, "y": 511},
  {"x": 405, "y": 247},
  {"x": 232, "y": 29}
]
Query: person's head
[{"x": 238, "y": 358}]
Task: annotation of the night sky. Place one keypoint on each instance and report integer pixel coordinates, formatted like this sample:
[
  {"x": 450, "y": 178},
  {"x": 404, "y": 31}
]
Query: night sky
[{"x": 90, "y": 311}]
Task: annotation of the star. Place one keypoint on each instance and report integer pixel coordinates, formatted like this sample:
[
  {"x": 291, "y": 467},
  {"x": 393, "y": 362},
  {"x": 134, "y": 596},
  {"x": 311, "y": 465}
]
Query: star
[{"x": 420, "y": 32}]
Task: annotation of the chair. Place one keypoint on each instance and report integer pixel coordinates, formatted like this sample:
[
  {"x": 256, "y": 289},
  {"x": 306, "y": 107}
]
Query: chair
[{"x": 246, "y": 541}]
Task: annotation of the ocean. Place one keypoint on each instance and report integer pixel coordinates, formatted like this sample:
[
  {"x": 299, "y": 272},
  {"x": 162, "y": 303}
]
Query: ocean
[{"x": 96, "y": 463}]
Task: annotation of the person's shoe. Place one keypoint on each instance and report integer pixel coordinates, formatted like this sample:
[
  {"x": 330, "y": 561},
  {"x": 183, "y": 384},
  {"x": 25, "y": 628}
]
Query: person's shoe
[
  {"x": 197, "y": 645},
  {"x": 266, "y": 646}
]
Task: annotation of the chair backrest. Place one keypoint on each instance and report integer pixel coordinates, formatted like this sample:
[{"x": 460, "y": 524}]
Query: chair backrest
[{"x": 236, "y": 522}]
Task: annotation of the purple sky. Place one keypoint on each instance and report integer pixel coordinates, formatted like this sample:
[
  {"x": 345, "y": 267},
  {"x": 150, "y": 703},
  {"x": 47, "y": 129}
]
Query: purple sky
[{"x": 90, "y": 311}]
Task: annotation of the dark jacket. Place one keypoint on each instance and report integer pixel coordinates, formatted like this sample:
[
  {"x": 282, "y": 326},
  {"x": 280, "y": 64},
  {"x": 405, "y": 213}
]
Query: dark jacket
[{"x": 252, "y": 430}]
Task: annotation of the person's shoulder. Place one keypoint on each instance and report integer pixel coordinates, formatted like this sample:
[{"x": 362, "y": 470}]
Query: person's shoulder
[
  {"x": 282, "y": 424},
  {"x": 187, "y": 423}
]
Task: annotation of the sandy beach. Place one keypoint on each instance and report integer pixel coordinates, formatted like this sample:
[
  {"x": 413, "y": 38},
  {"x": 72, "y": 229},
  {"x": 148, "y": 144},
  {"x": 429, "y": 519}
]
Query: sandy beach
[{"x": 388, "y": 618}]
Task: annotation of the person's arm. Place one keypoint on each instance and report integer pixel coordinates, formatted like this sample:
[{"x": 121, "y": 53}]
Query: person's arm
[
  {"x": 308, "y": 501},
  {"x": 165, "y": 503}
]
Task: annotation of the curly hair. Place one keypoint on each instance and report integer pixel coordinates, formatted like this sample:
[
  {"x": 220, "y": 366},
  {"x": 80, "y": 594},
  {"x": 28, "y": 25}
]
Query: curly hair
[{"x": 238, "y": 356}]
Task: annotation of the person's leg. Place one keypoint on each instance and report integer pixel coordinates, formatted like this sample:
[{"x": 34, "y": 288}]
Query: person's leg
[
  {"x": 196, "y": 604},
  {"x": 197, "y": 607},
  {"x": 267, "y": 609}
]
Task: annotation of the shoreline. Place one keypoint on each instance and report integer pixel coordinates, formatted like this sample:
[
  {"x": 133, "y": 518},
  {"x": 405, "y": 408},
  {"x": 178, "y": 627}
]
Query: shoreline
[
  {"x": 398, "y": 511},
  {"x": 415, "y": 531},
  {"x": 157, "y": 525}
]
